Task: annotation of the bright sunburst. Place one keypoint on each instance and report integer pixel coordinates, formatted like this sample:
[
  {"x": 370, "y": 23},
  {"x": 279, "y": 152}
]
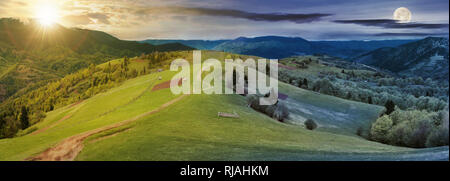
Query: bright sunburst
[{"x": 47, "y": 15}]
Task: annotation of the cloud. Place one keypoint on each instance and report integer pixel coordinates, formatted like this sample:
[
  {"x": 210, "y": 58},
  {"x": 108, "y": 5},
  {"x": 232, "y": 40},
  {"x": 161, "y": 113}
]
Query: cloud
[
  {"x": 411, "y": 34},
  {"x": 78, "y": 19},
  {"x": 271, "y": 17},
  {"x": 388, "y": 23},
  {"x": 102, "y": 18},
  {"x": 88, "y": 18}
]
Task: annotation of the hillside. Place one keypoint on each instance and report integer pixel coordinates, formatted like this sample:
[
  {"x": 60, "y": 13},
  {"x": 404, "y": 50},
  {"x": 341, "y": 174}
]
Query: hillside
[
  {"x": 30, "y": 53},
  {"x": 427, "y": 58},
  {"x": 134, "y": 121}
]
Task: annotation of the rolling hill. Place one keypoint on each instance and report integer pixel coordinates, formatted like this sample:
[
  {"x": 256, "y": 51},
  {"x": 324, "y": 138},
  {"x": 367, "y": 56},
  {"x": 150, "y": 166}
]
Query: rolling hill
[
  {"x": 30, "y": 53},
  {"x": 427, "y": 58},
  {"x": 134, "y": 121}
]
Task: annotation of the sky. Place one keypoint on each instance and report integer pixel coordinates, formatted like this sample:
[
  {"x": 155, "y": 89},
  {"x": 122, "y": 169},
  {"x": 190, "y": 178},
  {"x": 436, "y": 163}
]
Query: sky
[{"x": 229, "y": 19}]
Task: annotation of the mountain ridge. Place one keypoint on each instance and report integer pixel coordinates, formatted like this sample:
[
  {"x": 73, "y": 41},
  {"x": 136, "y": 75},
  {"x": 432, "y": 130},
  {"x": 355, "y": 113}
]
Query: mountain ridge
[
  {"x": 264, "y": 46},
  {"x": 427, "y": 58}
]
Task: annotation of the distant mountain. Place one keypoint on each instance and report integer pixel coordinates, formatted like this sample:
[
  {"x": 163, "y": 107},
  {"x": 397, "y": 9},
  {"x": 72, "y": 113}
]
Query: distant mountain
[
  {"x": 282, "y": 47},
  {"x": 30, "y": 53},
  {"x": 198, "y": 44},
  {"x": 268, "y": 46},
  {"x": 347, "y": 49},
  {"x": 425, "y": 58}
]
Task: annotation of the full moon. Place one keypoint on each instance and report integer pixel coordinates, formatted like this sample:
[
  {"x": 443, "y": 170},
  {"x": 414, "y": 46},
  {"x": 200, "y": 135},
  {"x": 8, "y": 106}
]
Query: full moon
[{"x": 402, "y": 14}]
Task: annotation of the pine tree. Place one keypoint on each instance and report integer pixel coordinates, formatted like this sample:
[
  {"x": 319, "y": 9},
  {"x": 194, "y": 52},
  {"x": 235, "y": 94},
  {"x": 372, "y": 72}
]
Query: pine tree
[
  {"x": 349, "y": 95},
  {"x": 24, "y": 119},
  {"x": 390, "y": 107},
  {"x": 305, "y": 82}
]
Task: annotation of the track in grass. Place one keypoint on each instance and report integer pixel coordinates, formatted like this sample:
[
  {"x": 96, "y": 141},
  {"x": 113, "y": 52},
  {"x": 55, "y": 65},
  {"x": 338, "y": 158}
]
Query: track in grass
[{"x": 68, "y": 149}]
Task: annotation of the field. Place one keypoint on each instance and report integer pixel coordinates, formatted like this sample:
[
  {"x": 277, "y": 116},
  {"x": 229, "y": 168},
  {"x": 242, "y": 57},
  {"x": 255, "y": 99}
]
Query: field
[{"x": 131, "y": 122}]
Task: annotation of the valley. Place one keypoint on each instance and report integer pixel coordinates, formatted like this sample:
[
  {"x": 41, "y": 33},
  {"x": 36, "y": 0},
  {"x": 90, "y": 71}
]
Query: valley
[{"x": 134, "y": 123}]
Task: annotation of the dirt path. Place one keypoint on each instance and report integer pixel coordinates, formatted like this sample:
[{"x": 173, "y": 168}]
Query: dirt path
[
  {"x": 57, "y": 122},
  {"x": 68, "y": 149},
  {"x": 51, "y": 126}
]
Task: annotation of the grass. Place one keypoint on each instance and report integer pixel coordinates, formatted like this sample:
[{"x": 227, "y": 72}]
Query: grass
[
  {"x": 100, "y": 110},
  {"x": 191, "y": 130},
  {"x": 331, "y": 113}
]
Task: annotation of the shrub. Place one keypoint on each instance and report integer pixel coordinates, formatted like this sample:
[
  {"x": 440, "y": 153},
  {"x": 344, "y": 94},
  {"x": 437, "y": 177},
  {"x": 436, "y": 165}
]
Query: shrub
[
  {"x": 438, "y": 137},
  {"x": 418, "y": 137},
  {"x": 360, "y": 131},
  {"x": 310, "y": 124},
  {"x": 278, "y": 111},
  {"x": 417, "y": 129},
  {"x": 380, "y": 129},
  {"x": 281, "y": 112},
  {"x": 324, "y": 86}
]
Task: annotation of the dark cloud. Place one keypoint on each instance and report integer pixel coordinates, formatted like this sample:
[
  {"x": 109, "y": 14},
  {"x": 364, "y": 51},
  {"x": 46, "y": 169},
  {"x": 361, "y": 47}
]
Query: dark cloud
[
  {"x": 388, "y": 23},
  {"x": 272, "y": 17},
  {"x": 411, "y": 34}
]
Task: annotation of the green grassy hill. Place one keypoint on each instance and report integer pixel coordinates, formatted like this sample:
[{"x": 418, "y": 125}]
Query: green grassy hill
[{"x": 131, "y": 122}]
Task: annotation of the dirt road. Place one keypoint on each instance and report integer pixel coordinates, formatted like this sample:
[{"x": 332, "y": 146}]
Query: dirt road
[{"x": 68, "y": 149}]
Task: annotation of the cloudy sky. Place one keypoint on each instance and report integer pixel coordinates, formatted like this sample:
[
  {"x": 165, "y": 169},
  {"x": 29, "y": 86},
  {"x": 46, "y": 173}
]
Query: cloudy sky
[{"x": 226, "y": 19}]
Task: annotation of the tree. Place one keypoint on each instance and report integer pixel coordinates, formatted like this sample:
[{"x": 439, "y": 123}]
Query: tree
[
  {"x": 310, "y": 124},
  {"x": 380, "y": 129},
  {"x": 24, "y": 119},
  {"x": 390, "y": 107},
  {"x": 125, "y": 63},
  {"x": 349, "y": 95},
  {"x": 134, "y": 73},
  {"x": 370, "y": 100},
  {"x": 305, "y": 82}
]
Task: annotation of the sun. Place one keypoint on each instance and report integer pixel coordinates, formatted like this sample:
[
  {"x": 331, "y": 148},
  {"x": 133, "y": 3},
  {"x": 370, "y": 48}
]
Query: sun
[{"x": 47, "y": 15}]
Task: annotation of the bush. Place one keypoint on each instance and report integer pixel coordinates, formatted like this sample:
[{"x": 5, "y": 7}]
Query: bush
[
  {"x": 417, "y": 129},
  {"x": 310, "y": 124},
  {"x": 418, "y": 137},
  {"x": 438, "y": 137},
  {"x": 324, "y": 86},
  {"x": 278, "y": 111},
  {"x": 281, "y": 112},
  {"x": 360, "y": 131},
  {"x": 380, "y": 129}
]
